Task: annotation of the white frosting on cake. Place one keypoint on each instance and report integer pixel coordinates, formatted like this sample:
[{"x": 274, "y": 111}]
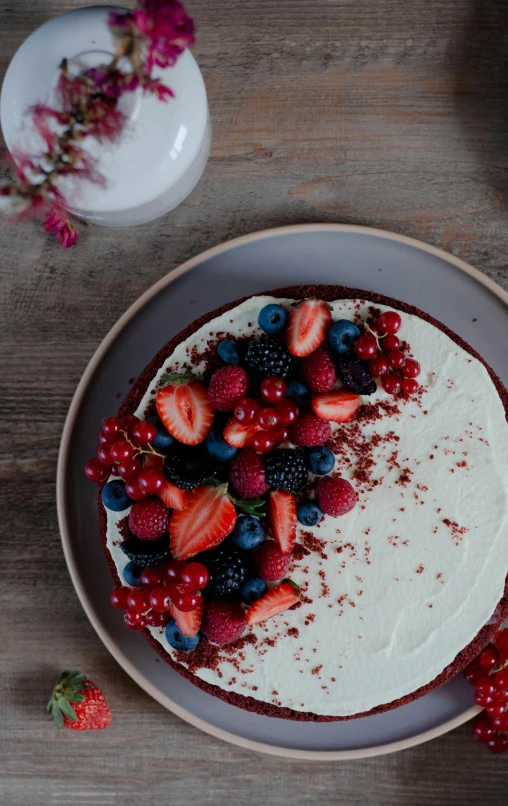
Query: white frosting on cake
[{"x": 414, "y": 571}]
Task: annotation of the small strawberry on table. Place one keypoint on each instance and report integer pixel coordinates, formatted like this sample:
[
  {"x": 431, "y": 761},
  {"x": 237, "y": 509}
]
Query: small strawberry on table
[{"x": 78, "y": 704}]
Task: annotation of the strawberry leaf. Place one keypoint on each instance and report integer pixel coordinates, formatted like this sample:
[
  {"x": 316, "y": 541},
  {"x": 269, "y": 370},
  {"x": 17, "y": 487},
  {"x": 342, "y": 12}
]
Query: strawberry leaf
[{"x": 176, "y": 378}]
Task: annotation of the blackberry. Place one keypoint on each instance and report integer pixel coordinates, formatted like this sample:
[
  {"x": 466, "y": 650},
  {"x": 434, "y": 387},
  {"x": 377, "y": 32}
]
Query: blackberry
[
  {"x": 269, "y": 357},
  {"x": 285, "y": 470},
  {"x": 146, "y": 552},
  {"x": 354, "y": 376},
  {"x": 189, "y": 467},
  {"x": 227, "y": 570}
]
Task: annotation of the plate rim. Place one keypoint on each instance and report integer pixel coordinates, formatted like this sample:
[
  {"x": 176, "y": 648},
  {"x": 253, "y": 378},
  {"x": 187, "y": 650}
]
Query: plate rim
[{"x": 63, "y": 519}]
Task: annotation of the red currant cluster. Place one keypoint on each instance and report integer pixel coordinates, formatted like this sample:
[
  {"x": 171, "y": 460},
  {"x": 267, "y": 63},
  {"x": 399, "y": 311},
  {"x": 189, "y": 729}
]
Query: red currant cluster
[
  {"x": 123, "y": 445},
  {"x": 381, "y": 347},
  {"x": 273, "y": 419},
  {"x": 164, "y": 587},
  {"x": 489, "y": 675}
]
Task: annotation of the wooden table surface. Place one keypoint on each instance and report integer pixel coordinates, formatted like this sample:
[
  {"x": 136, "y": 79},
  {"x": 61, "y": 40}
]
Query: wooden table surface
[{"x": 381, "y": 112}]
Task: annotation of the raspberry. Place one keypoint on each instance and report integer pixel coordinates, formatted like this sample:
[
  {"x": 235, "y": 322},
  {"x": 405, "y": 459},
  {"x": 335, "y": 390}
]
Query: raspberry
[
  {"x": 310, "y": 430},
  {"x": 318, "y": 371},
  {"x": 247, "y": 475},
  {"x": 148, "y": 519},
  {"x": 226, "y": 386},
  {"x": 224, "y": 621},
  {"x": 270, "y": 563},
  {"x": 335, "y": 496}
]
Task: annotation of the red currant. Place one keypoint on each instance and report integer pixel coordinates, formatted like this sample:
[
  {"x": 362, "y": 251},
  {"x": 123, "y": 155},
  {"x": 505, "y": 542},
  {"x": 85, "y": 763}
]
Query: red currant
[
  {"x": 498, "y": 744},
  {"x": 103, "y": 453},
  {"x": 262, "y": 441},
  {"x": 500, "y": 696},
  {"x": 411, "y": 368},
  {"x": 390, "y": 343},
  {"x": 114, "y": 470},
  {"x": 390, "y": 383},
  {"x": 185, "y": 599},
  {"x": 499, "y": 722},
  {"x": 154, "y": 619},
  {"x": 129, "y": 468},
  {"x": 273, "y": 389},
  {"x": 160, "y": 600},
  {"x": 409, "y": 386},
  {"x": 103, "y": 437},
  {"x": 151, "y": 480},
  {"x": 95, "y": 470},
  {"x": 138, "y": 600},
  {"x": 195, "y": 576},
  {"x": 396, "y": 359},
  {"x": 134, "y": 620},
  {"x": 173, "y": 570},
  {"x": 280, "y": 434},
  {"x": 379, "y": 366},
  {"x": 121, "y": 451},
  {"x": 501, "y": 678},
  {"x": 152, "y": 577},
  {"x": 483, "y": 728},
  {"x": 111, "y": 425},
  {"x": 246, "y": 410},
  {"x": 501, "y": 639},
  {"x": 366, "y": 347},
  {"x": 268, "y": 419},
  {"x": 489, "y": 658},
  {"x": 133, "y": 489},
  {"x": 143, "y": 433},
  {"x": 129, "y": 422},
  {"x": 288, "y": 412},
  {"x": 482, "y": 697},
  {"x": 389, "y": 322},
  {"x": 475, "y": 674},
  {"x": 119, "y": 597},
  {"x": 497, "y": 709}
]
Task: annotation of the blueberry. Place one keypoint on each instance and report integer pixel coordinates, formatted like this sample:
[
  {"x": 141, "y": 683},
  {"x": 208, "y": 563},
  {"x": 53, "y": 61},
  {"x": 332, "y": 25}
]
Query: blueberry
[
  {"x": 163, "y": 439},
  {"x": 252, "y": 590},
  {"x": 272, "y": 318},
  {"x": 309, "y": 513},
  {"x": 218, "y": 447},
  {"x": 229, "y": 352},
  {"x": 248, "y": 532},
  {"x": 114, "y": 496},
  {"x": 298, "y": 392},
  {"x": 177, "y": 640},
  {"x": 132, "y": 574},
  {"x": 342, "y": 336},
  {"x": 320, "y": 460}
]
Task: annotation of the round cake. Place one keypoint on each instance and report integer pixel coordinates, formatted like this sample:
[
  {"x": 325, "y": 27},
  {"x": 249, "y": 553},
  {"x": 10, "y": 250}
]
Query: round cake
[{"x": 337, "y": 462}]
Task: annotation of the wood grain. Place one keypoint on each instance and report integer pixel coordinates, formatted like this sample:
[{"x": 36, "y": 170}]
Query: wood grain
[{"x": 391, "y": 114}]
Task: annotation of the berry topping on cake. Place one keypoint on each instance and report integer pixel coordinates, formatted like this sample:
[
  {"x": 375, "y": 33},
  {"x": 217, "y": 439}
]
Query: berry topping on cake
[
  {"x": 252, "y": 590},
  {"x": 307, "y": 326},
  {"x": 282, "y": 516},
  {"x": 276, "y": 600},
  {"x": 195, "y": 576},
  {"x": 339, "y": 406},
  {"x": 354, "y": 376},
  {"x": 285, "y": 470},
  {"x": 132, "y": 574},
  {"x": 224, "y": 622},
  {"x": 342, "y": 336},
  {"x": 217, "y": 446},
  {"x": 309, "y": 514},
  {"x": 226, "y": 569},
  {"x": 114, "y": 496},
  {"x": 263, "y": 441},
  {"x": 146, "y": 552},
  {"x": 335, "y": 496},
  {"x": 238, "y": 435},
  {"x": 247, "y": 475},
  {"x": 389, "y": 322},
  {"x": 267, "y": 356},
  {"x": 209, "y": 516},
  {"x": 226, "y": 386},
  {"x": 185, "y": 410},
  {"x": 229, "y": 352},
  {"x": 272, "y": 318},
  {"x": 172, "y": 496},
  {"x": 273, "y": 389},
  {"x": 366, "y": 347},
  {"x": 148, "y": 520},
  {"x": 269, "y": 561},
  {"x": 189, "y": 621},
  {"x": 178, "y": 640},
  {"x": 318, "y": 371},
  {"x": 246, "y": 410},
  {"x": 310, "y": 430},
  {"x": 162, "y": 439},
  {"x": 188, "y": 467},
  {"x": 320, "y": 460},
  {"x": 248, "y": 532}
]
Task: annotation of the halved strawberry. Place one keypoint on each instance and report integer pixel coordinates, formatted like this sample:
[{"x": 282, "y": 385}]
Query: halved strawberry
[
  {"x": 239, "y": 435},
  {"x": 340, "y": 406},
  {"x": 172, "y": 496},
  {"x": 307, "y": 326},
  {"x": 185, "y": 411},
  {"x": 209, "y": 516},
  {"x": 282, "y": 515},
  {"x": 276, "y": 600},
  {"x": 188, "y": 623}
]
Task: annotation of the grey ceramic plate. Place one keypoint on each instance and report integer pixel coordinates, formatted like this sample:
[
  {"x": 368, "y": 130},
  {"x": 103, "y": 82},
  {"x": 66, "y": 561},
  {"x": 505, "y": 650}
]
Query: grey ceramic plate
[{"x": 444, "y": 286}]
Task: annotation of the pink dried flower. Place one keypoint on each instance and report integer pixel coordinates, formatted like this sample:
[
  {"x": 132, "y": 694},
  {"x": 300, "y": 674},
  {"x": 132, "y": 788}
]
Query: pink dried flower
[
  {"x": 56, "y": 221},
  {"x": 167, "y": 27},
  {"x": 156, "y": 87}
]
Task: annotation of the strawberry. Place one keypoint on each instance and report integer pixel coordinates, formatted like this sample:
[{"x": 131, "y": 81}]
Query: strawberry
[
  {"x": 209, "y": 516},
  {"x": 269, "y": 562},
  {"x": 239, "y": 435},
  {"x": 172, "y": 496},
  {"x": 227, "y": 384},
  {"x": 188, "y": 623},
  {"x": 185, "y": 410},
  {"x": 282, "y": 515},
  {"x": 318, "y": 371},
  {"x": 307, "y": 326},
  {"x": 78, "y": 704},
  {"x": 340, "y": 406},
  {"x": 274, "y": 601}
]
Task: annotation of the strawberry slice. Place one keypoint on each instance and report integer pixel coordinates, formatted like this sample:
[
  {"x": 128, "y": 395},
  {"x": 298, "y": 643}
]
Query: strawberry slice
[
  {"x": 239, "y": 435},
  {"x": 282, "y": 515},
  {"x": 172, "y": 496},
  {"x": 307, "y": 326},
  {"x": 185, "y": 411},
  {"x": 276, "y": 600},
  {"x": 340, "y": 406},
  {"x": 188, "y": 623},
  {"x": 209, "y": 516}
]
